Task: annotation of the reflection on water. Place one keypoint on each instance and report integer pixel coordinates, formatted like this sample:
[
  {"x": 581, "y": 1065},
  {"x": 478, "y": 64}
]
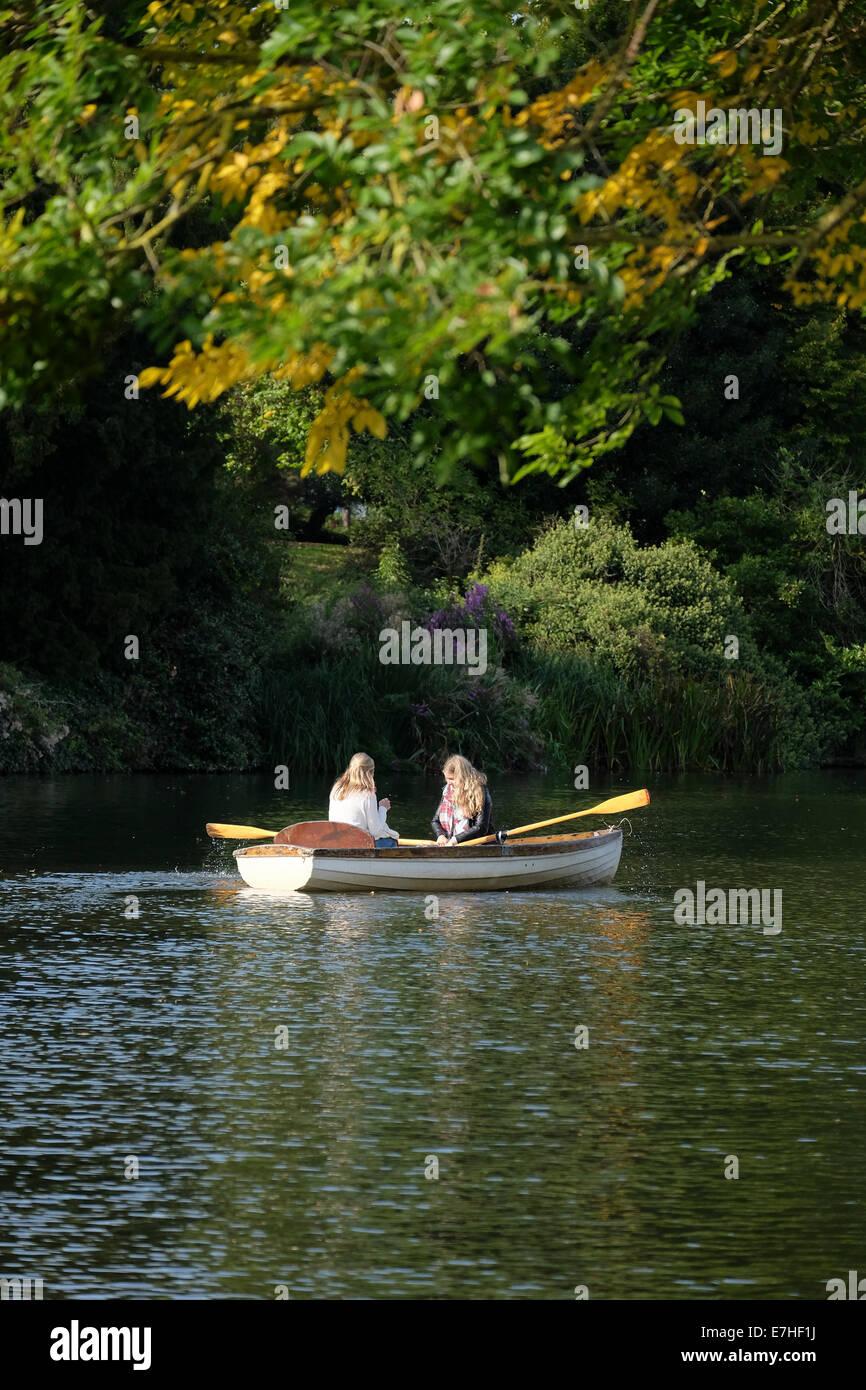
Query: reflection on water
[{"x": 283, "y": 1069}]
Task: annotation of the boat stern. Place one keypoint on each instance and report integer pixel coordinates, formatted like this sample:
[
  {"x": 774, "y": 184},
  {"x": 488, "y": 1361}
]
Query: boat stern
[{"x": 275, "y": 868}]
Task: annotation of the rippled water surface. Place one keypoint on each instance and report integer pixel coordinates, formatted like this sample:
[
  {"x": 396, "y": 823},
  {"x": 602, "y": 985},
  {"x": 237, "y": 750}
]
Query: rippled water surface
[{"x": 153, "y": 1037}]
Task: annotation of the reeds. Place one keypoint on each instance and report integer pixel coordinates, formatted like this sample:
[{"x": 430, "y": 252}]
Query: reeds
[
  {"x": 549, "y": 710},
  {"x": 735, "y": 722}
]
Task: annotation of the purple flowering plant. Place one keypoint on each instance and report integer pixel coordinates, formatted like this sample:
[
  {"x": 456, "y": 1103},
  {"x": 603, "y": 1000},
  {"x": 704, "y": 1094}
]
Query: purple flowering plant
[
  {"x": 476, "y": 609},
  {"x": 368, "y": 608}
]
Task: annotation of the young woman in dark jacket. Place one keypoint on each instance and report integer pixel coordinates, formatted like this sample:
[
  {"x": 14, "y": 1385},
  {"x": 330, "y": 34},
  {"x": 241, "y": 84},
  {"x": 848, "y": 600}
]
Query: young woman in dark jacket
[{"x": 465, "y": 809}]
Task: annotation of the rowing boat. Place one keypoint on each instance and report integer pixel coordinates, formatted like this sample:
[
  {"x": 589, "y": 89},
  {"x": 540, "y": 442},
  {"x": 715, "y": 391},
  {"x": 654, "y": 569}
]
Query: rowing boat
[{"x": 580, "y": 861}]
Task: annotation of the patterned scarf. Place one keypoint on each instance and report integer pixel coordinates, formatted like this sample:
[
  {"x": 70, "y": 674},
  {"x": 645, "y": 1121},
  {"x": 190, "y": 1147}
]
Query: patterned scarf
[{"x": 452, "y": 822}]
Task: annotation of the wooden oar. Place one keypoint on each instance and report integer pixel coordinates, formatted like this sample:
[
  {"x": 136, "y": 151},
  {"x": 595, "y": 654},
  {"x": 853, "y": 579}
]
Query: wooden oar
[
  {"x": 220, "y": 831},
  {"x": 238, "y": 832},
  {"x": 616, "y": 803}
]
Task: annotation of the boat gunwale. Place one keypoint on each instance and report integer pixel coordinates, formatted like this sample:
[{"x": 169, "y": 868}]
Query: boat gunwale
[{"x": 517, "y": 848}]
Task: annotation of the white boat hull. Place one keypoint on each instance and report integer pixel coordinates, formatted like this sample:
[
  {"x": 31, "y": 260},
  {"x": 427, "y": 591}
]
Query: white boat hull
[{"x": 581, "y": 861}]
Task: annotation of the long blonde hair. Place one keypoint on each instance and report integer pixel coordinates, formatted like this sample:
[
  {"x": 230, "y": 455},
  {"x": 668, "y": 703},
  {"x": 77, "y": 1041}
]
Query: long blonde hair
[
  {"x": 469, "y": 784},
  {"x": 358, "y": 777}
]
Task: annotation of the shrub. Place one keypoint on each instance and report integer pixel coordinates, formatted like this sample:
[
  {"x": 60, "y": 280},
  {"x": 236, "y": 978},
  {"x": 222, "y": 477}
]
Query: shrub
[
  {"x": 625, "y": 648},
  {"x": 594, "y": 592}
]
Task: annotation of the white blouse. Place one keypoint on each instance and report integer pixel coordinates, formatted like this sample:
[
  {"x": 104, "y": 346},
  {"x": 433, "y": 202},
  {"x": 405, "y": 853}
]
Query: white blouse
[{"x": 363, "y": 810}]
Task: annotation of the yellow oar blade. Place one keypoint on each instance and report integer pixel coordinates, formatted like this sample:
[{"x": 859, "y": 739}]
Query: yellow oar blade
[
  {"x": 629, "y": 802},
  {"x": 237, "y": 832}
]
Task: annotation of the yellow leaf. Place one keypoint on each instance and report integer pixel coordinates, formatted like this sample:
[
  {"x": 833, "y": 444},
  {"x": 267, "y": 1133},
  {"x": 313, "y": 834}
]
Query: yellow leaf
[
  {"x": 150, "y": 376},
  {"x": 377, "y": 424},
  {"x": 727, "y": 61}
]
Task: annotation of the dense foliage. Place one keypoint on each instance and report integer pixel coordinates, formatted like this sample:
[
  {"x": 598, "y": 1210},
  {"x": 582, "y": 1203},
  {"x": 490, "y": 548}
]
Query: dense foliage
[
  {"x": 486, "y": 202},
  {"x": 145, "y": 538},
  {"x": 353, "y": 245}
]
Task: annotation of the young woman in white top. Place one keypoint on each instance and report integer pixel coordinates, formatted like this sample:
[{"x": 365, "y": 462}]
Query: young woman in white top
[{"x": 353, "y": 801}]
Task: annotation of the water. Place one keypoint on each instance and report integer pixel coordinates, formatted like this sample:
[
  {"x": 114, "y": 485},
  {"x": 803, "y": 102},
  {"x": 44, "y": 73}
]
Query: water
[{"x": 152, "y": 1038}]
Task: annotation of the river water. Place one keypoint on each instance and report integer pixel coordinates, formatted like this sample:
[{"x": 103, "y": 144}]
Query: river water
[{"x": 157, "y": 1142}]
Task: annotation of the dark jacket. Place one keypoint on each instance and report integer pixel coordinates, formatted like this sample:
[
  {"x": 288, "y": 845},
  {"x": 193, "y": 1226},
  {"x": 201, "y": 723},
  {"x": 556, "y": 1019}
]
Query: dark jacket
[{"x": 482, "y": 824}]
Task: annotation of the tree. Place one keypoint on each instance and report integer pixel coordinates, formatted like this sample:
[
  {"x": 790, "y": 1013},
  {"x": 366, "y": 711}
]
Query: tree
[
  {"x": 429, "y": 203},
  {"x": 800, "y": 386}
]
